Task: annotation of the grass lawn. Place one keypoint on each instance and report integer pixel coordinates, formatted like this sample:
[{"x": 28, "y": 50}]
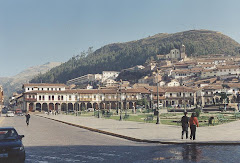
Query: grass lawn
[{"x": 169, "y": 118}]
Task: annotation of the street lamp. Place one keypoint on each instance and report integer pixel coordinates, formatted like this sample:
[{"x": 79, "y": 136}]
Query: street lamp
[
  {"x": 151, "y": 99},
  {"x": 99, "y": 104},
  {"x": 158, "y": 117},
  {"x": 184, "y": 94},
  {"x": 120, "y": 100}
]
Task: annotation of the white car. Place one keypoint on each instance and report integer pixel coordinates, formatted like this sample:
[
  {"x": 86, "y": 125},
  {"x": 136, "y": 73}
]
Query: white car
[{"x": 10, "y": 114}]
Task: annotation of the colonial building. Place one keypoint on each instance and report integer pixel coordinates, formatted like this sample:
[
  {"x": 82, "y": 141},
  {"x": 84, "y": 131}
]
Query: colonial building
[
  {"x": 60, "y": 98},
  {"x": 179, "y": 96},
  {"x": 221, "y": 70}
]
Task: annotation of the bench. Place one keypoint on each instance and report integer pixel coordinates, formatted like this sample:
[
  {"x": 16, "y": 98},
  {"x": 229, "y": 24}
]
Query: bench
[
  {"x": 108, "y": 114},
  {"x": 211, "y": 121},
  {"x": 126, "y": 116},
  {"x": 221, "y": 119},
  {"x": 96, "y": 113},
  {"x": 149, "y": 118}
]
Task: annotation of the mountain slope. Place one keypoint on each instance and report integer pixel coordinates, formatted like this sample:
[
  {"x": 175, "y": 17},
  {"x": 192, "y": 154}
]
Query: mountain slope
[
  {"x": 119, "y": 56},
  {"x": 13, "y": 84}
]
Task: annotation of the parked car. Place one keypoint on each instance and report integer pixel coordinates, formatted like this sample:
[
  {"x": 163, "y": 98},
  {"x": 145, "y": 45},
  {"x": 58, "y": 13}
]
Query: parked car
[
  {"x": 11, "y": 147},
  {"x": 10, "y": 114},
  {"x": 19, "y": 112}
]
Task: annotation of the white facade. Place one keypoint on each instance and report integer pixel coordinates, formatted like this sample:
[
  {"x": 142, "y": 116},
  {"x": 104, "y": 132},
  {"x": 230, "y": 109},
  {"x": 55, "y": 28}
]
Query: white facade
[
  {"x": 109, "y": 75},
  {"x": 173, "y": 83},
  {"x": 228, "y": 70},
  {"x": 43, "y": 87},
  {"x": 82, "y": 79}
]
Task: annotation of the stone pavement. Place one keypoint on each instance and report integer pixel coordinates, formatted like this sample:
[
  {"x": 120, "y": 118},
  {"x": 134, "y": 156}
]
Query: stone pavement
[
  {"x": 1, "y": 119},
  {"x": 228, "y": 133}
]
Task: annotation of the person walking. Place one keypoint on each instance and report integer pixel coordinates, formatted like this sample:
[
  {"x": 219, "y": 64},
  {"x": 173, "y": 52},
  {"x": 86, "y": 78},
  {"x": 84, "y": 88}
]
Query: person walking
[
  {"x": 27, "y": 118},
  {"x": 193, "y": 122},
  {"x": 185, "y": 121}
]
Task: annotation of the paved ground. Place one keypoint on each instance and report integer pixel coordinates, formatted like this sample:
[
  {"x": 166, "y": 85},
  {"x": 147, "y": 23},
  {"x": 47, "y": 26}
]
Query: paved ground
[
  {"x": 226, "y": 133},
  {"x": 48, "y": 141}
]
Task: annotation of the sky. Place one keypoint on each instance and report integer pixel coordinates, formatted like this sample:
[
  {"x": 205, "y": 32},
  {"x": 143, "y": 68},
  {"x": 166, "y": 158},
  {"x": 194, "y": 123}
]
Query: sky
[{"x": 34, "y": 32}]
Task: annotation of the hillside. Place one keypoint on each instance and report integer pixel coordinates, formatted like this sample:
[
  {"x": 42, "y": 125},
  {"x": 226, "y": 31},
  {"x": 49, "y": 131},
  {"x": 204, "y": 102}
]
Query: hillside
[
  {"x": 14, "y": 83},
  {"x": 119, "y": 56}
]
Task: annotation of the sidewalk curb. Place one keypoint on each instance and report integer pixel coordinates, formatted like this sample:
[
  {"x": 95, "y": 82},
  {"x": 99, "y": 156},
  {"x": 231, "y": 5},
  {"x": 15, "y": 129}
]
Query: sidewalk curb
[{"x": 141, "y": 140}]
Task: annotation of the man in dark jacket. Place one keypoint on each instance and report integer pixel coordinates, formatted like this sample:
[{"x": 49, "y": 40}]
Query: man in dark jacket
[
  {"x": 185, "y": 121},
  {"x": 27, "y": 118}
]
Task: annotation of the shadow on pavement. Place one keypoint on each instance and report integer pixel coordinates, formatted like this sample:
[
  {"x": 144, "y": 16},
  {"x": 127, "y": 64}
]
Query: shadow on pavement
[{"x": 140, "y": 154}]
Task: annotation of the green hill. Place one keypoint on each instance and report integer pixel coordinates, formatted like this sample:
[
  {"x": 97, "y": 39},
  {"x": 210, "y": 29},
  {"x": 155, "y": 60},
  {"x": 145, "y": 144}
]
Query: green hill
[{"x": 119, "y": 56}]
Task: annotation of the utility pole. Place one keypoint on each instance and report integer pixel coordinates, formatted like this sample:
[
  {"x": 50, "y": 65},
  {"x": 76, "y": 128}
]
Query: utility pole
[
  {"x": 120, "y": 100},
  {"x": 158, "y": 117}
]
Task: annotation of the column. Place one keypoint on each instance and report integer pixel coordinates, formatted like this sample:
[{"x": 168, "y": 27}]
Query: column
[
  {"x": 110, "y": 106},
  {"x": 34, "y": 106},
  {"x": 85, "y": 106},
  {"x": 27, "y": 107}
]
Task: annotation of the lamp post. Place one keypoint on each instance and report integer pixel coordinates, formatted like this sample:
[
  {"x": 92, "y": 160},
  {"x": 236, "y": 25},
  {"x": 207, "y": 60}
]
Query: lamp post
[
  {"x": 117, "y": 100},
  {"x": 120, "y": 100},
  {"x": 184, "y": 94},
  {"x": 238, "y": 100},
  {"x": 151, "y": 100},
  {"x": 99, "y": 104},
  {"x": 158, "y": 117}
]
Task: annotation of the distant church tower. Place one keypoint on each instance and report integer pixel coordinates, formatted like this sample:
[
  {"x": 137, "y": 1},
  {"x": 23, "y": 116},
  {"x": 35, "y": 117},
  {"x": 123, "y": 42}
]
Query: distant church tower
[{"x": 182, "y": 52}]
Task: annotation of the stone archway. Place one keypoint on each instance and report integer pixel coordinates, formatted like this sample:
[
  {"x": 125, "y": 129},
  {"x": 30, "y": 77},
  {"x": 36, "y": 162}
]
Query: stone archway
[
  {"x": 64, "y": 107},
  {"x": 130, "y": 105},
  {"x": 31, "y": 107},
  {"x": 57, "y": 106},
  {"x": 70, "y": 107},
  {"x": 114, "y": 105},
  {"x": 76, "y": 107},
  {"x": 89, "y": 105},
  {"x": 95, "y": 106},
  {"x": 102, "y": 105},
  {"x": 45, "y": 107},
  {"x": 51, "y": 106},
  {"x": 82, "y": 106},
  {"x": 38, "y": 107}
]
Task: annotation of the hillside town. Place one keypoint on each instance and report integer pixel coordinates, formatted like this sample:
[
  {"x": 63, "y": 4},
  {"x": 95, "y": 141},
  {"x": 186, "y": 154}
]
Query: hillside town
[{"x": 173, "y": 80}]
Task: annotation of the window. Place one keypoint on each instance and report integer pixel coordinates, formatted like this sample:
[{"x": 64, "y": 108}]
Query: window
[
  {"x": 40, "y": 97},
  {"x": 42, "y": 89},
  {"x": 61, "y": 97},
  {"x": 32, "y": 89},
  {"x": 170, "y": 94},
  {"x": 70, "y": 97},
  {"x": 28, "y": 88},
  {"x": 49, "y": 98},
  {"x": 59, "y": 89},
  {"x": 43, "y": 97},
  {"x": 52, "y": 89},
  {"x": 52, "y": 97},
  {"x": 48, "y": 89}
]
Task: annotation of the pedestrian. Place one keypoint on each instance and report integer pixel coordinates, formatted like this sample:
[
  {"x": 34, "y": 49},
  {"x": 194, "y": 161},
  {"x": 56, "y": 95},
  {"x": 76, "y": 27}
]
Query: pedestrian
[
  {"x": 27, "y": 118},
  {"x": 193, "y": 122},
  {"x": 185, "y": 124}
]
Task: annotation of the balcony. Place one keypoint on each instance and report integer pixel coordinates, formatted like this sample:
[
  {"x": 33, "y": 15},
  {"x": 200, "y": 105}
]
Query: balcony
[
  {"x": 30, "y": 99},
  {"x": 86, "y": 99}
]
